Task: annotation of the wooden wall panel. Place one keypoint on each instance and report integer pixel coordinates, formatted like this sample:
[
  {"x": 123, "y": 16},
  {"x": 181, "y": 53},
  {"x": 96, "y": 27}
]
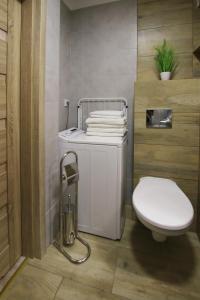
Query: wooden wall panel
[
  {"x": 149, "y": 39},
  {"x": 170, "y": 20},
  {"x": 3, "y": 35},
  {"x": 3, "y": 56},
  {"x": 180, "y": 96},
  {"x": 185, "y": 128},
  {"x": 2, "y": 97},
  {"x": 167, "y": 161},
  {"x": 4, "y": 261},
  {"x": 196, "y": 12},
  {"x": 10, "y": 198},
  {"x": 196, "y": 35},
  {"x": 171, "y": 12},
  {"x": 3, "y": 14},
  {"x": 13, "y": 128},
  {"x": 196, "y": 67},
  {"x": 3, "y": 228},
  {"x": 4, "y": 234},
  {"x": 3, "y": 146},
  {"x": 147, "y": 69},
  {"x": 32, "y": 127},
  {"x": 3, "y": 185},
  {"x": 169, "y": 153},
  {"x": 196, "y": 40}
]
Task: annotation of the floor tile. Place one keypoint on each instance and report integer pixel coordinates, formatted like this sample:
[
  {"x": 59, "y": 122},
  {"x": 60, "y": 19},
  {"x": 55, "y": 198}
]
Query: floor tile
[
  {"x": 149, "y": 270},
  {"x": 98, "y": 271},
  {"x": 130, "y": 214},
  {"x": 71, "y": 290},
  {"x": 135, "y": 268},
  {"x": 32, "y": 284},
  {"x": 135, "y": 287},
  {"x": 126, "y": 240}
]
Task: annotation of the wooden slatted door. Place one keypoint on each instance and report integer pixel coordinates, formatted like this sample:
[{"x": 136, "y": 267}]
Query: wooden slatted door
[
  {"x": 10, "y": 219},
  {"x": 4, "y": 237}
]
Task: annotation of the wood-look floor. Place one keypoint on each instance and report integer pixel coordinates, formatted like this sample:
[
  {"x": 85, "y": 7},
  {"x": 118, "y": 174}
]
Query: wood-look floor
[{"x": 134, "y": 268}]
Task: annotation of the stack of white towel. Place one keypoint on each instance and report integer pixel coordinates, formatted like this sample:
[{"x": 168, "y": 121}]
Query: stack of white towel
[{"x": 106, "y": 123}]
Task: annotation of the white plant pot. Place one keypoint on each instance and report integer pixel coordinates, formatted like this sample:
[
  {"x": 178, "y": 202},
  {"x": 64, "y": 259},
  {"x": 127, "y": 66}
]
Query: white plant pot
[{"x": 165, "y": 75}]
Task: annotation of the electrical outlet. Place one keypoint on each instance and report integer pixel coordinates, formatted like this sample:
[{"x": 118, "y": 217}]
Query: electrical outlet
[{"x": 66, "y": 102}]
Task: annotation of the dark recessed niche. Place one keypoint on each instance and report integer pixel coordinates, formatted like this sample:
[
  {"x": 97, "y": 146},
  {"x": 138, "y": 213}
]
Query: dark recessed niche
[{"x": 197, "y": 53}]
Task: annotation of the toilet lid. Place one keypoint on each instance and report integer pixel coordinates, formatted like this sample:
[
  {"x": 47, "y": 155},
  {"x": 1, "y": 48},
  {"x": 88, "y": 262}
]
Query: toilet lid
[{"x": 162, "y": 203}]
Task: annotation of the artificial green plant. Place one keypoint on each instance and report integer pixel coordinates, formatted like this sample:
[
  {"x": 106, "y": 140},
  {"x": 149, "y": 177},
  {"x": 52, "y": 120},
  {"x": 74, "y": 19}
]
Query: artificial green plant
[{"x": 165, "y": 58}]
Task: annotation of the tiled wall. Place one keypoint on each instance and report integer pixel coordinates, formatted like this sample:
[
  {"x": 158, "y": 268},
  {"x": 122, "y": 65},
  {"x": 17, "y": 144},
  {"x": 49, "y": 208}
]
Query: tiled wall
[
  {"x": 52, "y": 97},
  {"x": 65, "y": 65},
  {"x": 100, "y": 60}
]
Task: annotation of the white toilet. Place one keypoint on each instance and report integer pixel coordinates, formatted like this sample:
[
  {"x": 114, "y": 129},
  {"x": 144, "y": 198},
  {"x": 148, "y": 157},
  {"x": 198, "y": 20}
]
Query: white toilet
[{"x": 162, "y": 207}]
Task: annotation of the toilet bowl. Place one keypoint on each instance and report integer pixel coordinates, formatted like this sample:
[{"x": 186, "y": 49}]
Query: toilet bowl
[{"x": 162, "y": 207}]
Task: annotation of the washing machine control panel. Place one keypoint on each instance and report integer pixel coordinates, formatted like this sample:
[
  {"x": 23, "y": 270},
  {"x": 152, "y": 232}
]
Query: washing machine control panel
[{"x": 71, "y": 132}]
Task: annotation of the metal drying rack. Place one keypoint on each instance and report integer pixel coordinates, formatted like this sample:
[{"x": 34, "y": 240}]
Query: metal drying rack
[{"x": 86, "y": 105}]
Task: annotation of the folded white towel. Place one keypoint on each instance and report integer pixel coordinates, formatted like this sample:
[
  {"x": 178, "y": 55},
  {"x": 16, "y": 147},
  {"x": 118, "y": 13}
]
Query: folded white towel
[
  {"x": 111, "y": 121},
  {"x": 107, "y": 114},
  {"x": 105, "y": 134},
  {"x": 111, "y": 130},
  {"x": 105, "y": 125}
]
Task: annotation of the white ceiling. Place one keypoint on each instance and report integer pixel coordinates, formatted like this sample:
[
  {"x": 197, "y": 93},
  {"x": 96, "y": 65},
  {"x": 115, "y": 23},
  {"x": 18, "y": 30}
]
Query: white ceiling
[{"x": 76, "y": 4}]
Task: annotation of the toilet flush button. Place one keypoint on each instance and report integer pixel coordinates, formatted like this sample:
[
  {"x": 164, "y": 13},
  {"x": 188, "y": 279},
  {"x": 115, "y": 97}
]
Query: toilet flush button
[{"x": 159, "y": 118}]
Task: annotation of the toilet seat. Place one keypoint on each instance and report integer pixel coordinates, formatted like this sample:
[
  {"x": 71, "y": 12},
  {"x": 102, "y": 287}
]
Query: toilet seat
[{"x": 161, "y": 203}]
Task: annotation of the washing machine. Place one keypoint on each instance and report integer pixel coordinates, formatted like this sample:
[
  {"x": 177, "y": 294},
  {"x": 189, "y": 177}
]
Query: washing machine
[
  {"x": 102, "y": 165},
  {"x": 102, "y": 181}
]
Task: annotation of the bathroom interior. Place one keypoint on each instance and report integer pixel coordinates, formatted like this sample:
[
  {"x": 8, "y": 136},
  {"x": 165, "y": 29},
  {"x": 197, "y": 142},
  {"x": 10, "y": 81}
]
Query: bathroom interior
[{"x": 99, "y": 149}]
